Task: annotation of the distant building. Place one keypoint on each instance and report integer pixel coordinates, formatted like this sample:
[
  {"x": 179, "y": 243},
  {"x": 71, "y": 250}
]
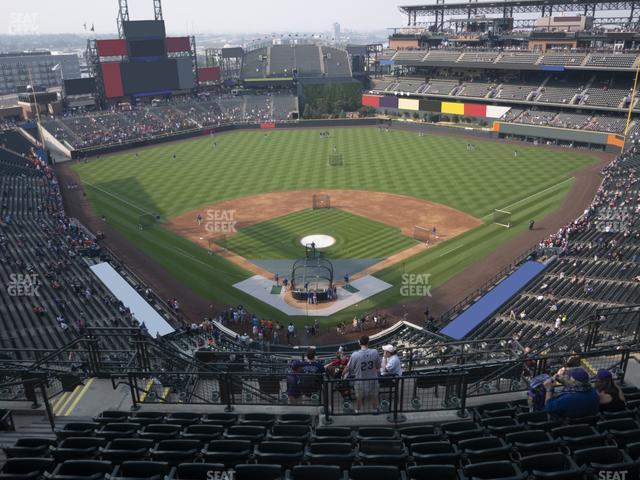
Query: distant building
[
  {"x": 336, "y": 31},
  {"x": 14, "y": 70}
]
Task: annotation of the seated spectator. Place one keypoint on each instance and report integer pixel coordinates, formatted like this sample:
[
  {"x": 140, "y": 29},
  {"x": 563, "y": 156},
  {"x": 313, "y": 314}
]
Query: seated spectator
[
  {"x": 577, "y": 398},
  {"x": 610, "y": 396}
]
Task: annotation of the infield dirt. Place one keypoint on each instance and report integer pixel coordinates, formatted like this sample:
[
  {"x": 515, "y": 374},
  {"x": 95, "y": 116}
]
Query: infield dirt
[{"x": 401, "y": 211}]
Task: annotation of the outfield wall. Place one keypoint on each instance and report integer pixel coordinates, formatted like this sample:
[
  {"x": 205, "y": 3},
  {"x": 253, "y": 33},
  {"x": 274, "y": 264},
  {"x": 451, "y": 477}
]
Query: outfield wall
[
  {"x": 609, "y": 141},
  {"x": 342, "y": 122},
  {"x": 603, "y": 140}
]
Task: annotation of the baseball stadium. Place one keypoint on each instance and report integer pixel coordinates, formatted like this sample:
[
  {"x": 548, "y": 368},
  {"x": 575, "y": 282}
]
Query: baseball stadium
[{"x": 305, "y": 258}]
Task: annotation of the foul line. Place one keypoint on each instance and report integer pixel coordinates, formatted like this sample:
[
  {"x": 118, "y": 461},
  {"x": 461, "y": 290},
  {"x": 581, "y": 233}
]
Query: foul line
[
  {"x": 117, "y": 197},
  {"x": 452, "y": 250},
  {"x": 532, "y": 196},
  {"x": 194, "y": 259}
]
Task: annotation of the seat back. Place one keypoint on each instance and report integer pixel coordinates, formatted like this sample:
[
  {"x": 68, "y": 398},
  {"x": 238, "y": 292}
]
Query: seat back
[
  {"x": 316, "y": 472},
  {"x": 295, "y": 419},
  {"x": 197, "y": 471},
  {"x": 177, "y": 445},
  {"x": 27, "y": 465},
  {"x": 143, "y": 469},
  {"x": 129, "y": 444},
  {"x": 374, "y": 472},
  {"x": 493, "y": 470},
  {"x": 258, "y": 472},
  {"x": 229, "y": 446},
  {"x": 83, "y": 468},
  {"x": 429, "y": 472}
]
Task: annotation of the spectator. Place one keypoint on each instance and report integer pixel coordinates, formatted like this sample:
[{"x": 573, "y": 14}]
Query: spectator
[
  {"x": 577, "y": 399},
  {"x": 294, "y": 383},
  {"x": 335, "y": 367},
  {"x": 574, "y": 360},
  {"x": 390, "y": 362},
  {"x": 610, "y": 396},
  {"x": 313, "y": 370},
  {"x": 364, "y": 365}
]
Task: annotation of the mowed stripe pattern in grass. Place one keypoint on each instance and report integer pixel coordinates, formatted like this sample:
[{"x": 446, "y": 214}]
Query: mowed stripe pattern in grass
[
  {"x": 435, "y": 168},
  {"x": 356, "y": 237}
]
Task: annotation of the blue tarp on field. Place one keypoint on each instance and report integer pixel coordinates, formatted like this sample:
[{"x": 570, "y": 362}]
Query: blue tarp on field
[{"x": 484, "y": 308}]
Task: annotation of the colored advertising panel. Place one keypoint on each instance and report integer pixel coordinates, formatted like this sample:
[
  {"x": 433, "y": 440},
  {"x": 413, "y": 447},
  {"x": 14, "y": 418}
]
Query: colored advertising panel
[
  {"x": 112, "y": 78},
  {"x": 494, "y": 111},
  {"x": 430, "y": 105},
  {"x": 178, "y": 44},
  {"x": 111, "y": 48},
  {"x": 475, "y": 110},
  {"x": 408, "y": 104},
  {"x": 209, "y": 74},
  {"x": 389, "y": 101},
  {"x": 453, "y": 108},
  {"x": 371, "y": 100}
]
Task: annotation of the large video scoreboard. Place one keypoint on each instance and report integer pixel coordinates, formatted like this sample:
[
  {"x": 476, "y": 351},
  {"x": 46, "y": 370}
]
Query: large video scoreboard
[{"x": 146, "y": 61}]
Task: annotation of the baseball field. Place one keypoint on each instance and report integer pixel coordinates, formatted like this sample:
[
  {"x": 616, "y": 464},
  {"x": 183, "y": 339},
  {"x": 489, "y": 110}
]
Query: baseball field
[{"x": 255, "y": 187}]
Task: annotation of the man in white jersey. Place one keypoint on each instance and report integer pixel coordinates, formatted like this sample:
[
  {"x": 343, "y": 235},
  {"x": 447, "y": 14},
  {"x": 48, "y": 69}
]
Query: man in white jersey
[{"x": 364, "y": 365}]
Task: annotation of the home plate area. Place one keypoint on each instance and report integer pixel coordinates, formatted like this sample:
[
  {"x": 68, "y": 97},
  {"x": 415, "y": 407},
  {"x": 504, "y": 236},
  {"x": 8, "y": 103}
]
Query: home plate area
[{"x": 261, "y": 288}]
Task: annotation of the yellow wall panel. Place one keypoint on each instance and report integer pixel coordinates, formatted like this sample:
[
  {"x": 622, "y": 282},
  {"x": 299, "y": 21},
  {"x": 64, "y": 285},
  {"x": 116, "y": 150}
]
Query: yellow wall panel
[{"x": 453, "y": 108}]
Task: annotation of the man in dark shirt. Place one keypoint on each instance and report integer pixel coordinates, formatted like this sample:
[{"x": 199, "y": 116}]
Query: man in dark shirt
[
  {"x": 294, "y": 383},
  {"x": 577, "y": 399},
  {"x": 313, "y": 370}
]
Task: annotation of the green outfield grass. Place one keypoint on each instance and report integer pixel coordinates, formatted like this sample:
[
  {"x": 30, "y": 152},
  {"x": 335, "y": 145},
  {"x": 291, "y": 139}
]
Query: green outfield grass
[
  {"x": 123, "y": 186},
  {"x": 356, "y": 237}
]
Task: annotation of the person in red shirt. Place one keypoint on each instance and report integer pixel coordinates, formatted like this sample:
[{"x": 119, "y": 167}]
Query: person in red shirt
[{"x": 335, "y": 367}]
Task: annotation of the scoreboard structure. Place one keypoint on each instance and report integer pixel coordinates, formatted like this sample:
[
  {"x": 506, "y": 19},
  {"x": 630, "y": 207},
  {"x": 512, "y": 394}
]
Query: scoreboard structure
[{"x": 143, "y": 62}]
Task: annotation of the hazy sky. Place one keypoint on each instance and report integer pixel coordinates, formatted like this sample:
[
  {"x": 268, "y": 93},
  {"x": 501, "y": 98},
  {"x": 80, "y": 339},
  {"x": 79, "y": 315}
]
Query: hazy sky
[{"x": 201, "y": 16}]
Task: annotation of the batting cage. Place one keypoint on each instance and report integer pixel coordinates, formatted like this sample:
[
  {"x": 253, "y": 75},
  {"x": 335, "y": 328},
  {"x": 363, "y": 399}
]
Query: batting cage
[
  {"x": 320, "y": 200},
  {"x": 502, "y": 218},
  {"x": 311, "y": 275}
]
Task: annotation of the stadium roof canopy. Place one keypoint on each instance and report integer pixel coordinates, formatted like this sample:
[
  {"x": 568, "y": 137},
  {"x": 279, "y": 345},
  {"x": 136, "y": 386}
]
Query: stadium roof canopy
[{"x": 517, "y": 6}]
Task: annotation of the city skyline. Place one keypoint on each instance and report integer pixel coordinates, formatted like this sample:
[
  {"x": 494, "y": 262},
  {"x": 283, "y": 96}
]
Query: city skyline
[{"x": 197, "y": 16}]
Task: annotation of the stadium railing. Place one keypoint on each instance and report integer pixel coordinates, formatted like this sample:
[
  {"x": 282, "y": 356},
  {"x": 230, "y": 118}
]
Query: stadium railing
[{"x": 156, "y": 372}]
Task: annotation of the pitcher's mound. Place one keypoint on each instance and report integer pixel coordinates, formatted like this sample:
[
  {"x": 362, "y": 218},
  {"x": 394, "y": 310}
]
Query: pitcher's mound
[{"x": 320, "y": 241}]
